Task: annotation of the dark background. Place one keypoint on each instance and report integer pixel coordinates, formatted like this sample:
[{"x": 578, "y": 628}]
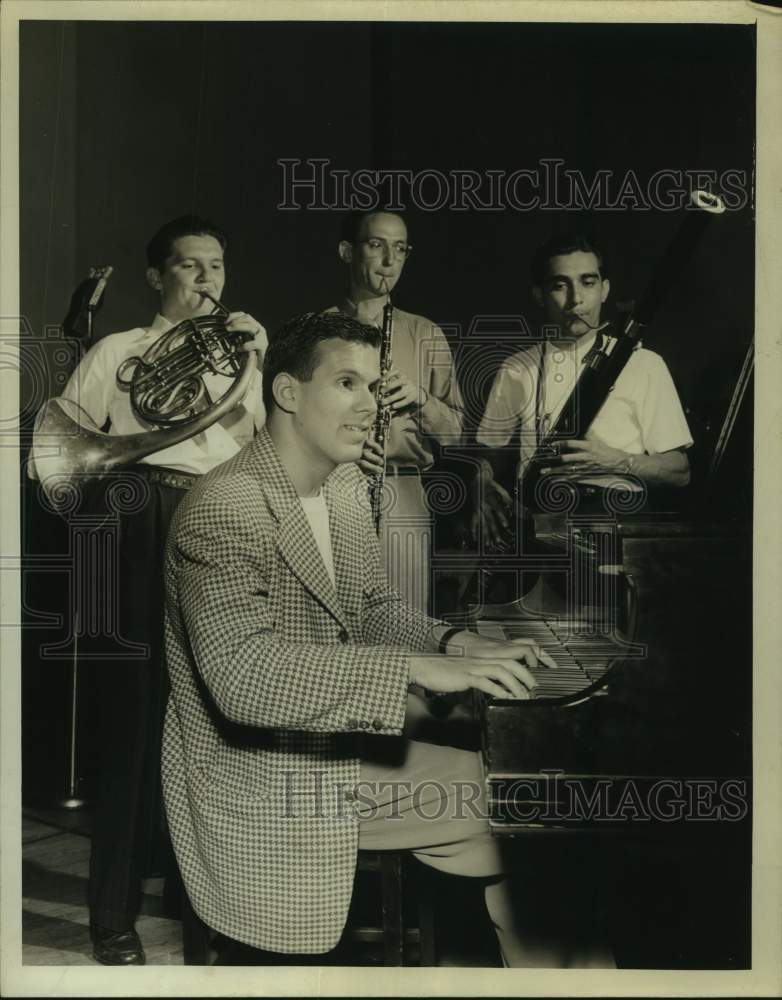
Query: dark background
[{"x": 126, "y": 125}]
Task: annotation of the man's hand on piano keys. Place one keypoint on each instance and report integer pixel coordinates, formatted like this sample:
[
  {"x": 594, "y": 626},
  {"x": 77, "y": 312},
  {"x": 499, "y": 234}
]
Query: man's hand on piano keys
[
  {"x": 493, "y": 666},
  {"x": 466, "y": 643}
]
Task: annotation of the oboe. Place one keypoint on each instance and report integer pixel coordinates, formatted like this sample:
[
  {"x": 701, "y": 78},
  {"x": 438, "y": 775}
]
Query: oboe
[{"x": 383, "y": 415}]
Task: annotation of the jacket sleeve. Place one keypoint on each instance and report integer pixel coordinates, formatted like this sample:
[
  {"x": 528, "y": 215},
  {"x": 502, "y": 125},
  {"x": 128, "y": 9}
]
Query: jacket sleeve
[{"x": 222, "y": 613}]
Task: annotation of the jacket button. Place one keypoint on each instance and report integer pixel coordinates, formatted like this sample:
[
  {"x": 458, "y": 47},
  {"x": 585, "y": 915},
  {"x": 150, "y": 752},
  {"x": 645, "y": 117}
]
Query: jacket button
[
  {"x": 352, "y": 723},
  {"x": 378, "y": 724},
  {"x": 363, "y": 724},
  {"x": 344, "y": 636}
]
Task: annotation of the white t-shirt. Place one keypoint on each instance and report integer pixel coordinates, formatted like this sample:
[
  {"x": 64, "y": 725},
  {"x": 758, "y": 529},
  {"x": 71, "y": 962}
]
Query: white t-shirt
[
  {"x": 641, "y": 415},
  {"x": 318, "y": 515}
]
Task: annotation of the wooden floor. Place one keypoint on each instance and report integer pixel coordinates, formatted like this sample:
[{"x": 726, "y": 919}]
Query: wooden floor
[{"x": 55, "y": 921}]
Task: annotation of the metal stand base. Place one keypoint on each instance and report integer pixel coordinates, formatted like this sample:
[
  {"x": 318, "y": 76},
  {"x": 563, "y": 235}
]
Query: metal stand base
[{"x": 71, "y": 803}]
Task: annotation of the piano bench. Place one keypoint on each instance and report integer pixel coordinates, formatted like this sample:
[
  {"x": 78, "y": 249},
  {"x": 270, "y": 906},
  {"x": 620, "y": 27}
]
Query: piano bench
[
  {"x": 399, "y": 942},
  {"x": 394, "y": 869}
]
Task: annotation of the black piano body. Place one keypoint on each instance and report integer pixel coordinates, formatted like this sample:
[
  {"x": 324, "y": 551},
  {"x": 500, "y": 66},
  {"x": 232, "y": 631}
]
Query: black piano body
[
  {"x": 642, "y": 767},
  {"x": 656, "y": 730}
]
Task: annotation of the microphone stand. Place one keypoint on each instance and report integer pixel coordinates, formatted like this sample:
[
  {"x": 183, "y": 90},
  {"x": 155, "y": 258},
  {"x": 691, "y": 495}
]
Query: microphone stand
[{"x": 72, "y": 799}]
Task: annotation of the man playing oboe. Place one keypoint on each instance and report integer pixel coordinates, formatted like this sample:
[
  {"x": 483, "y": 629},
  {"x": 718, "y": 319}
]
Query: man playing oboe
[{"x": 420, "y": 389}]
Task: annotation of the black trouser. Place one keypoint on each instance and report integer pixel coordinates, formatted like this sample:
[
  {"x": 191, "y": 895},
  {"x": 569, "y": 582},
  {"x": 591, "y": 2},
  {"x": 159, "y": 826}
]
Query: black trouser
[
  {"x": 583, "y": 500},
  {"x": 129, "y": 836}
]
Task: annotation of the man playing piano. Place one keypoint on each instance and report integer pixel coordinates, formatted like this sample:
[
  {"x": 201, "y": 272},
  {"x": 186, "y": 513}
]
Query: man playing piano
[
  {"x": 290, "y": 659},
  {"x": 638, "y": 439}
]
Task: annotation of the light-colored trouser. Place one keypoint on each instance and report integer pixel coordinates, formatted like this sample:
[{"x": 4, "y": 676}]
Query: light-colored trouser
[
  {"x": 406, "y": 538},
  {"x": 431, "y": 800}
]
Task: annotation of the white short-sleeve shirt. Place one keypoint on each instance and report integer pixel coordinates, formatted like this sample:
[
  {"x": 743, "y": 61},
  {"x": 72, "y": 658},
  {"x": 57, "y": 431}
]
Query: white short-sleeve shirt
[{"x": 642, "y": 414}]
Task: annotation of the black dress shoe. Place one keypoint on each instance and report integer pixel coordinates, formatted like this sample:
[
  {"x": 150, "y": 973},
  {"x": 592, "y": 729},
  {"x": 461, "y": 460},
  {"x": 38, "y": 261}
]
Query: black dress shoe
[{"x": 116, "y": 947}]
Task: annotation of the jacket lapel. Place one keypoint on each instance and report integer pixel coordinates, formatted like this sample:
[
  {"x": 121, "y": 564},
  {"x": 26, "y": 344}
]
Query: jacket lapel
[{"x": 296, "y": 543}]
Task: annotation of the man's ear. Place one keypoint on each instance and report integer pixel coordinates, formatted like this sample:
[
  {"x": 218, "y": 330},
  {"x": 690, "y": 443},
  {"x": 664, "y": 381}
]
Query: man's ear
[
  {"x": 605, "y": 289},
  {"x": 345, "y": 251},
  {"x": 153, "y": 279},
  {"x": 537, "y": 295},
  {"x": 284, "y": 390}
]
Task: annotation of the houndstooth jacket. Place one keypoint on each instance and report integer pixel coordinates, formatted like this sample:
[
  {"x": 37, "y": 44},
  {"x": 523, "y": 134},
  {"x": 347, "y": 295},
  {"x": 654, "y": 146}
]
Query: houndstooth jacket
[{"x": 274, "y": 676}]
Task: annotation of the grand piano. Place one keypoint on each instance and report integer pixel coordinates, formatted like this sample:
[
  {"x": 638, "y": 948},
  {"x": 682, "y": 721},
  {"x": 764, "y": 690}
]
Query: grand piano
[
  {"x": 646, "y": 721},
  {"x": 636, "y": 753}
]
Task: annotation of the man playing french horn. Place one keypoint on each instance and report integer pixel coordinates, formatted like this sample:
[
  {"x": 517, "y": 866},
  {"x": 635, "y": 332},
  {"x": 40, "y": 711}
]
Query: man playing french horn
[{"x": 187, "y": 269}]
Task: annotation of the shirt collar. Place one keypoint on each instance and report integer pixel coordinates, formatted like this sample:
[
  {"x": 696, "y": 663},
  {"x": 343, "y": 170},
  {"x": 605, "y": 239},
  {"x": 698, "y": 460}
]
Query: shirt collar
[
  {"x": 349, "y": 308},
  {"x": 158, "y": 325},
  {"x": 581, "y": 346}
]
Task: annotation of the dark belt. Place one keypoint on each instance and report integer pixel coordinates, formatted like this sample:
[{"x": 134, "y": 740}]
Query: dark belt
[
  {"x": 166, "y": 477},
  {"x": 585, "y": 489},
  {"x": 590, "y": 490},
  {"x": 402, "y": 470}
]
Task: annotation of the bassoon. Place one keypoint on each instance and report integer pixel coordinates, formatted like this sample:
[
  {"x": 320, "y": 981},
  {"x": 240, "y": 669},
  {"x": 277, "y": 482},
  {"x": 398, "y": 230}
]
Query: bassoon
[{"x": 606, "y": 362}]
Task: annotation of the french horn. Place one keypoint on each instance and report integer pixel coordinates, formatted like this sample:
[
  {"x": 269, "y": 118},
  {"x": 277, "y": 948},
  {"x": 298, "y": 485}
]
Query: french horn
[{"x": 167, "y": 392}]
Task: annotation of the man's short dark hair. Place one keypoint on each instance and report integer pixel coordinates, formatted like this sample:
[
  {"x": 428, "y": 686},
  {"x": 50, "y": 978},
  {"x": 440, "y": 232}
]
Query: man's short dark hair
[
  {"x": 558, "y": 246},
  {"x": 294, "y": 347},
  {"x": 350, "y": 226},
  {"x": 160, "y": 246}
]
